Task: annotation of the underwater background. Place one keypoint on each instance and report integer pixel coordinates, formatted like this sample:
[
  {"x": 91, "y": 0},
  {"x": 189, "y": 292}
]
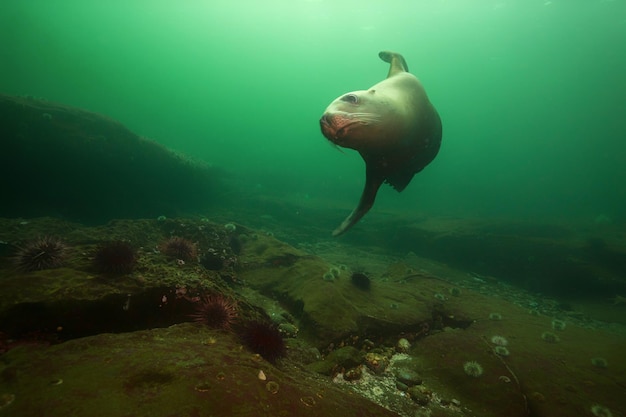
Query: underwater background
[
  {"x": 168, "y": 201},
  {"x": 531, "y": 93}
]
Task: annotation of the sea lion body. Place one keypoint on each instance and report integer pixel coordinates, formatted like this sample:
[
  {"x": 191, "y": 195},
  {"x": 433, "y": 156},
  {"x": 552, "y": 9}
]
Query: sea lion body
[{"x": 392, "y": 125}]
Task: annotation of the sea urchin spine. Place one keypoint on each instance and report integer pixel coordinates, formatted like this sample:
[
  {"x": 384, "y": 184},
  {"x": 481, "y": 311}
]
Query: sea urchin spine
[
  {"x": 216, "y": 311},
  {"x": 116, "y": 257},
  {"x": 42, "y": 253},
  {"x": 265, "y": 339},
  {"x": 180, "y": 248}
]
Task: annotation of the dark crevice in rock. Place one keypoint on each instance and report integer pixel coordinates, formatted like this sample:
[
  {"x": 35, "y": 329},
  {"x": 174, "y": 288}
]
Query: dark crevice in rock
[
  {"x": 116, "y": 313},
  {"x": 443, "y": 319}
]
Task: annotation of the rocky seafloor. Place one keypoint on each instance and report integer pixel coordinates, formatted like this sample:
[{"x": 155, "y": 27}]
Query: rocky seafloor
[{"x": 366, "y": 333}]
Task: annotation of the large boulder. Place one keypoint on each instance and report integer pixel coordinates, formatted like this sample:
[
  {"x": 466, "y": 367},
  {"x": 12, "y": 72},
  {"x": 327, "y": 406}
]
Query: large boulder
[{"x": 68, "y": 162}]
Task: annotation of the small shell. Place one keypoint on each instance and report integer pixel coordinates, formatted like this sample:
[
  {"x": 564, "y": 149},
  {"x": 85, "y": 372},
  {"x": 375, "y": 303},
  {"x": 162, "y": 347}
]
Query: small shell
[
  {"x": 6, "y": 399},
  {"x": 262, "y": 376},
  {"x": 308, "y": 401},
  {"x": 272, "y": 387},
  {"x": 203, "y": 387}
]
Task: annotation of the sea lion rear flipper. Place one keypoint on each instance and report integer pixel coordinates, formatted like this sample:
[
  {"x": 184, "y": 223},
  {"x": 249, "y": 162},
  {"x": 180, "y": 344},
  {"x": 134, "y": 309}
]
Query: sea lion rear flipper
[
  {"x": 398, "y": 64},
  {"x": 373, "y": 181}
]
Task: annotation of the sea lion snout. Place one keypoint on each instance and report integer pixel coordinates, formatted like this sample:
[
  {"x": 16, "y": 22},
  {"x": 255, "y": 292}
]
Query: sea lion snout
[
  {"x": 336, "y": 125},
  {"x": 329, "y": 126},
  {"x": 325, "y": 120}
]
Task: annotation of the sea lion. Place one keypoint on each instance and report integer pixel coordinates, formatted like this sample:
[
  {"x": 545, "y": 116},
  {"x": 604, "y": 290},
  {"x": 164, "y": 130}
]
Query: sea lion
[{"x": 392, "y": 125}]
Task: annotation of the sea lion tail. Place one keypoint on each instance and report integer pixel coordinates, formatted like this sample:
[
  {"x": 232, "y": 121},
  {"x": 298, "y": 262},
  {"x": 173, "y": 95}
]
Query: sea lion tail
[{"x": 398, "y": 64}]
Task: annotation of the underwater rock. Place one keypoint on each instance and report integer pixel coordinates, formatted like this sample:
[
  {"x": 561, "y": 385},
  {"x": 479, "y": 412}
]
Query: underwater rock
[
  {"x": 333, "y": 310},
  {"x": 408, "y": 377},
  {"x": 106, "y": 284},
  {"x": 346, "y": 357},
  {"x": 166, "y": 372},
  {"x": 419, "y": 396},
  {"x": 538, "y": 256},
  {"x": 87, "y": 167}
]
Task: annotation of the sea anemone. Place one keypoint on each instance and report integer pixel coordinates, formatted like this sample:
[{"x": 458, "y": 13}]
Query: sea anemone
[
  {"x": 499, "y": 340},
  {"x": 265, "y": 339},
  {"x": 473, "y": 368},
  {"x": 45, "y": 252},
  {"x": 455, "y": 291},
  {"x": 600, "y": 411},
  {"x": 502, "y": 351},
  {"x": 360, "y": 280},
  {"x": 180, "y": 248},
  {"x": 599, "y": 362},
  {"x": 216, "y": 311},
  {"x": 115, "y": 257},
  {"x": 495, "y": 316},
  {"x": 550, "y": 337},
  {"x": 558, "y": 325},
  {"x": 328, "y": 276}
]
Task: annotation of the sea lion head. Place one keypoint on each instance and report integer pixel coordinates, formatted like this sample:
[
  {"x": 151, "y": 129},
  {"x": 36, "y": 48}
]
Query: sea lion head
[{"x": 356, "y": 120}]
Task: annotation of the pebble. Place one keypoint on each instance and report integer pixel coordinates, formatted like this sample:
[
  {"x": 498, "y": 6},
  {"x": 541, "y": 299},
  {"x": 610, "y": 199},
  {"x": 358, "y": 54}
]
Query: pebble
[
  {"x": 408, "y": 377},
  {"x": 418, "y": 396}
]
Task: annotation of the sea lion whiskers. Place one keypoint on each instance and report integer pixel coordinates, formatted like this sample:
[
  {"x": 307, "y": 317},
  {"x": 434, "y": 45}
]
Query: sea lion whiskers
[
  {"x": 365, "y": 118},
  {"x": 334, "y": 145}
]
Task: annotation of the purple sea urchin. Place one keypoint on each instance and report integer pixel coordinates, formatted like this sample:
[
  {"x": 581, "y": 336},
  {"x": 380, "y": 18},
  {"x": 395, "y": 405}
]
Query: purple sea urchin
[
  {"x": 46, "y": 252},
  {"x": 265, "y": 339},
  {"x": 180, "y": 248},
  {"x": 212, "y": 261},
  {"x": 360, "y": 280},
  {"x": 116, "y": 257},
  {"x": 216, "y": 311}
]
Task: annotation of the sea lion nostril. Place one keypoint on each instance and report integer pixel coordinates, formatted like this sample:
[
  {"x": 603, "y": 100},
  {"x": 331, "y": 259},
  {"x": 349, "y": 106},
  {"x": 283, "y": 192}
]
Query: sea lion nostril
[{"x": 325, "y": 119}]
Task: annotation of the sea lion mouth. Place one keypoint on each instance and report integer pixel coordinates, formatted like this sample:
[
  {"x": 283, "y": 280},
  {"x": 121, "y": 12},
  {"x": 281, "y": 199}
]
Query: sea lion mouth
[
  {"x": 337, "y": 126},
  {"x": 335, "y": 132}
]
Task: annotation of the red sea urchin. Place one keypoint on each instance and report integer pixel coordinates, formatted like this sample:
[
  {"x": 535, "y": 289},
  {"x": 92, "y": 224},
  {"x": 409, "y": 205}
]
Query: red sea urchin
[
  {"x": 216, "y": 311},
  {"x": 116, "y": 257},
  {"x": 180, "y": 248},
  {"x": 265, "y": 339},
  {"x": 46, "y": 252}
]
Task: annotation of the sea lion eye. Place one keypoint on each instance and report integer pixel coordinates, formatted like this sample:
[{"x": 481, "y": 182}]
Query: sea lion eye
[{"x": 350, "y": 98}]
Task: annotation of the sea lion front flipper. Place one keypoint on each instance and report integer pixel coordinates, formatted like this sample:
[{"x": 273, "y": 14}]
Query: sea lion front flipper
[
  {"x": 400, "y": 178},
  {"x": 398, "y": 64},
  {"x": 373, "y": 181}
]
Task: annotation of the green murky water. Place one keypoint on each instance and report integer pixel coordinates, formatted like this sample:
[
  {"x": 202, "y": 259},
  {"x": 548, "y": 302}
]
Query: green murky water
[{"x": 531, "y": 92}]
